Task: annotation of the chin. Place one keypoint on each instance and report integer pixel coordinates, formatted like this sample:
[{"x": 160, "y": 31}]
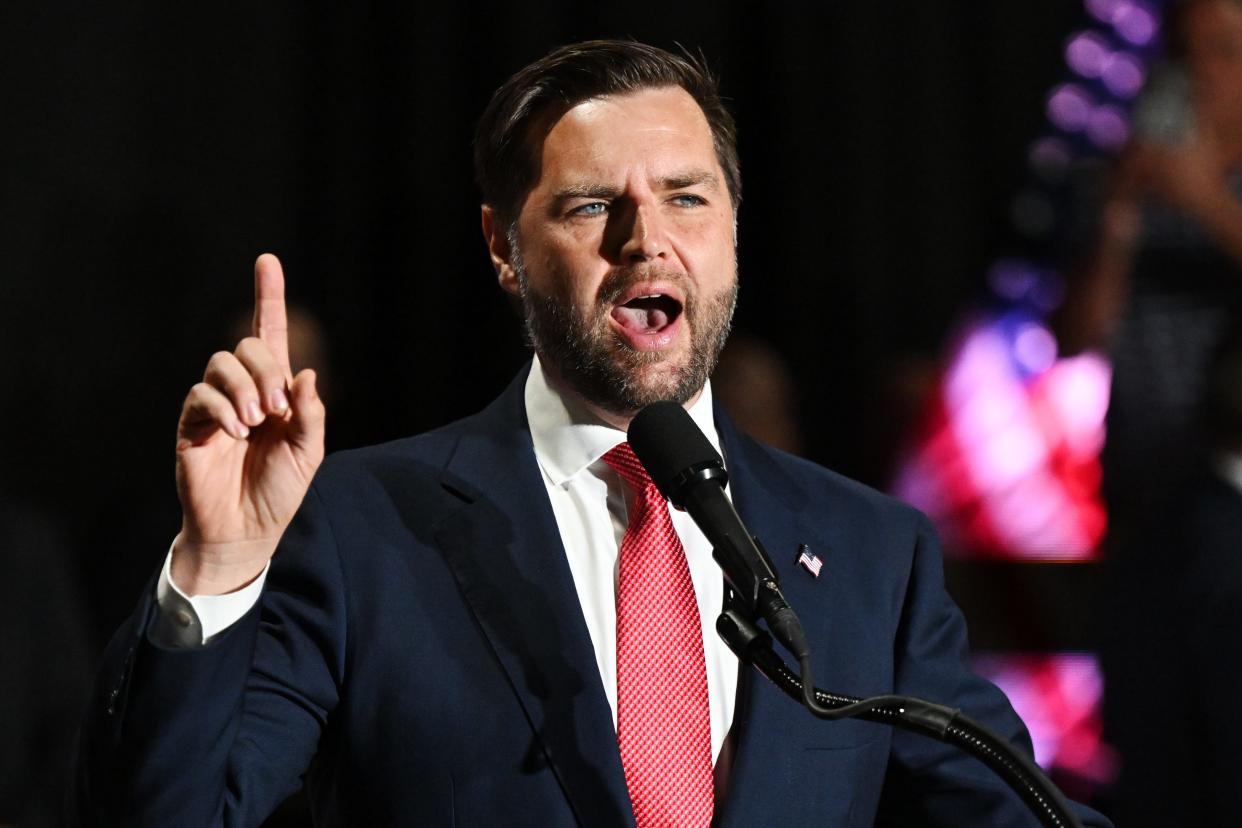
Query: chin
[{"x": 655, "y": 381}]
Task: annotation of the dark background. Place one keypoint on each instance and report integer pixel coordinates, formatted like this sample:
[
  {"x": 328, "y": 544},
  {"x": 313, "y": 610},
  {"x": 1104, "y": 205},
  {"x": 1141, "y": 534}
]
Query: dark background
[{"x": 150, "y": 151}]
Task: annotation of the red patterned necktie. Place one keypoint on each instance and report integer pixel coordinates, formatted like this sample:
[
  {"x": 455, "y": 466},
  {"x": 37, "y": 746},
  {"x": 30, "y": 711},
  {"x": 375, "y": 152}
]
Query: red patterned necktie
[{"x": 663, "y": 723}]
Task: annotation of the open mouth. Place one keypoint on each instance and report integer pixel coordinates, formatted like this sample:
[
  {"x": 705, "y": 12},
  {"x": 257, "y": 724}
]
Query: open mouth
[{"x": 649, "y": 313}]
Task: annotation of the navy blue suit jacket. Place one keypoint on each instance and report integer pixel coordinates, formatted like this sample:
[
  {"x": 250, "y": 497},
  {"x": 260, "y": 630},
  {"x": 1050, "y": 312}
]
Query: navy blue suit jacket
[{"x": 419, "y": 657}]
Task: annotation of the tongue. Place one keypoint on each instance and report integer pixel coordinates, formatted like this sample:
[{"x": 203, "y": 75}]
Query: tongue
[{"x": 641, "y": 320}]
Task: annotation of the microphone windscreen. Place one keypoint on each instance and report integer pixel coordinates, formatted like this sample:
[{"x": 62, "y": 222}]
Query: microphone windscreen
[{"x": 667, "y": 442}]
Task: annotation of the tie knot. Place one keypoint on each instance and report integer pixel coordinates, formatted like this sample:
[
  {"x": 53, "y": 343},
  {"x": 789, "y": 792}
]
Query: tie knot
[{"x": 623, "y": 460}]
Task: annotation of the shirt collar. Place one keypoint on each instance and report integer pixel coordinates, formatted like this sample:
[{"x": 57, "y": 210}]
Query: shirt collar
[{"x": 568, "y": 438}]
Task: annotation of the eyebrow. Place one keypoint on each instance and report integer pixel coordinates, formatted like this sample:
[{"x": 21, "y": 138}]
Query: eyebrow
[
  {"x": 690, "y": 178},
  {"x": 602, "y": 191},
  {"x": 676, "y": 181}
]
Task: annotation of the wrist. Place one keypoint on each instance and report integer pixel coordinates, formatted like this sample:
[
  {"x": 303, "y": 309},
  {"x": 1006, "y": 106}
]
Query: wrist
[{"x": 216, "y": 568}]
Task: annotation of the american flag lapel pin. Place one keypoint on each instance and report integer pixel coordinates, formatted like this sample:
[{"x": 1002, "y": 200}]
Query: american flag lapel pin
[{"x": 809, "y": 561}]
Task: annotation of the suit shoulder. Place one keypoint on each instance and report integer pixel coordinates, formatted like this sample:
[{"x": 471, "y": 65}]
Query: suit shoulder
[
  {"x": 428, "y": 451},
  {"x": 824, "y": 485}
]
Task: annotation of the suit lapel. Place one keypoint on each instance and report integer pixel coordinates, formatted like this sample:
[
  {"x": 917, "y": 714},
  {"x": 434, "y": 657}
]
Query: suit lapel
[
  {"x": 770, "y": 729},
  {"x": 506, "y": 554},
  {"x": 505, "y": 551}
]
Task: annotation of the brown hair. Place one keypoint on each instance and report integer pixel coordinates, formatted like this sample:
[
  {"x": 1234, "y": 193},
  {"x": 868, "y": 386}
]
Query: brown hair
[{"x": 530, "y": 102}]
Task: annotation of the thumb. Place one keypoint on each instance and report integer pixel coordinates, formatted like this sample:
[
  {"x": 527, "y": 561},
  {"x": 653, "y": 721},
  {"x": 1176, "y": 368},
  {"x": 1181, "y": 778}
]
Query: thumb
[{"x": 306, "y": 425}]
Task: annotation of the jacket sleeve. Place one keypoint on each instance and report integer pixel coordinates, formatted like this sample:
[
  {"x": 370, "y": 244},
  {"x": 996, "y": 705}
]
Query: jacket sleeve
[
  {"x": 218, "y": 735},
  {"x": 931, "y": 782}
]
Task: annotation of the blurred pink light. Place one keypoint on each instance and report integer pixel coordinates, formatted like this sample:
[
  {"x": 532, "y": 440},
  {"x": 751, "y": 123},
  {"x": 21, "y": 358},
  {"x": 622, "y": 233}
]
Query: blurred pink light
[
  {"x": 1123, "y": 74},
  {"x": 1069, "y": 107},
  {"x": 1136, "y": 24},
  {"x": 1087, "y": 54},
  {"x": 1035, "y": 348},
  {"x": 1008, "y": 455},
  {"x": 1107, "y": 127},
  {"x": 990, "y": 415},
  {"x": 1059, "y": 696},
  {"x": 1078, "y": 396},
  {"x": 1007, "y": 460},
  {"x": 980, "y": 362},
  {"x": 1030, "y": 515}
]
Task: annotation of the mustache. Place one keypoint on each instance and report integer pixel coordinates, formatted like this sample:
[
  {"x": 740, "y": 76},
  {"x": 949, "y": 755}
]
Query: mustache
[{"x": 621, "y": 279}]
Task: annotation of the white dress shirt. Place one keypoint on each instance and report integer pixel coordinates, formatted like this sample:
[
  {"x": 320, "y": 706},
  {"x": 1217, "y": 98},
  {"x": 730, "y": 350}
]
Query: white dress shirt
[{"x": 590, "y": 502}]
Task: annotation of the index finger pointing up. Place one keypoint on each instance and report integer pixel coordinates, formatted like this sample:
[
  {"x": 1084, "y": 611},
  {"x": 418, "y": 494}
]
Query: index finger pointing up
[{"x": 270, "y": 321}]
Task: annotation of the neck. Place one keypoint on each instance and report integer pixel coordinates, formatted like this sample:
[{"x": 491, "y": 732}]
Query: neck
[{"x": 617, "y": 419}]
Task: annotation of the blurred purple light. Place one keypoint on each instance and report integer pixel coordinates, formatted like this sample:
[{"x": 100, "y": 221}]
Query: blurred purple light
[
  {"x": 1012, "y": 278},
  {"x": 1087, "y": 54},
  {"x": 1035, "y": 348},
  {"x": 1135, "y": 24},
  {"x": 1050, "y": 157},
  {"x": 1069, "y": 106},
  {"x": 1107, "y": 127},
  {"x": 1105, "y": 10},
  {"x": 1123, "y": 74},
  {"x": 1048, "y": 293}
]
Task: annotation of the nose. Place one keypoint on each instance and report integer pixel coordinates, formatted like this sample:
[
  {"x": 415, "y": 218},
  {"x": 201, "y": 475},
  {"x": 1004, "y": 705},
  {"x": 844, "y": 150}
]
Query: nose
[{"x": 644, "y": 239}]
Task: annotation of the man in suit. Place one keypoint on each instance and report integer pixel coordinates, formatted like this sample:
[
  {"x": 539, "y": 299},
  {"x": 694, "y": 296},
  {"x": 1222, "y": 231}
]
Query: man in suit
[{"x": 459, "y": 628}]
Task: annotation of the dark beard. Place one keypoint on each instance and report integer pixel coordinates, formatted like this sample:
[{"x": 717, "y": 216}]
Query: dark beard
[{"x": 599, "y": 365}]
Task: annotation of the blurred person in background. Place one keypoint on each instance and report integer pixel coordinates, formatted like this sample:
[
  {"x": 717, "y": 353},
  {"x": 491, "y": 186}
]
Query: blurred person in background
[
  {"x": 1209, "y": 613},
  {"x": 1162, "y": 284},
  {"x": 754, "y": 384},
  {"x": 1159, "y": 289}
]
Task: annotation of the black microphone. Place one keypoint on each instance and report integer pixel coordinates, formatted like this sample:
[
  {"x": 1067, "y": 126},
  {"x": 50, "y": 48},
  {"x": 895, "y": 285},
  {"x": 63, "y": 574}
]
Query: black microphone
[{"x": 689, "y": 472}]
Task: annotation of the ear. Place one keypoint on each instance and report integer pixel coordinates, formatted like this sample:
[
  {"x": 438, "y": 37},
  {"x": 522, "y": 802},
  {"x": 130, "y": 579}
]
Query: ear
[{"x": 498, "y": 248}]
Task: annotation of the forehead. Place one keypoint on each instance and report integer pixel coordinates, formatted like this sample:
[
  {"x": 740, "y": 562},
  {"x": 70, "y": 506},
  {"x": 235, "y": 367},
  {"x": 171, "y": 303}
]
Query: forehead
[{"x": 652, "y": 131}]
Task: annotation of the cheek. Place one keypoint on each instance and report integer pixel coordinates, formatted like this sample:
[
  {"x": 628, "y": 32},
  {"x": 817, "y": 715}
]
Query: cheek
[
  {"x": 568, "y": 272},
  {"x": 707, "y": 250}
]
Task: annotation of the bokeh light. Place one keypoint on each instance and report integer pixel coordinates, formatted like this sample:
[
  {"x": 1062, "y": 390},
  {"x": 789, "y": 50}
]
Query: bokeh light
[
  {"x": 1069, "y": 107},
  {"x": 1058, "y": 696},
  {"x": 1050, "y": 158},
  {"x": 1123, "y": 74},
  {"x": 1087, "y": 53},
  {"x": 1108, "y": 128},
  {"x": 1135, "y": 24},
  {"x": 1006, "y": 462}
]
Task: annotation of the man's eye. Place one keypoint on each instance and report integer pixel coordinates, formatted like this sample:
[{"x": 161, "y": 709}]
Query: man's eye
[
  {"x": 688, "y": 201},
  {"x": 595, "y": 208}
]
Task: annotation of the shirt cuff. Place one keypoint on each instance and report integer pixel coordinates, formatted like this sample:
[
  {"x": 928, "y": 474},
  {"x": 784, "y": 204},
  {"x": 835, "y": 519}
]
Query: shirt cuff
[{"x": 193, "y": 621}]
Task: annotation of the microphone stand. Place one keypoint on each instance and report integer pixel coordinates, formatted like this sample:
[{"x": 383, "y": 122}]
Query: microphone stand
[{"x": 753, "y": 646}]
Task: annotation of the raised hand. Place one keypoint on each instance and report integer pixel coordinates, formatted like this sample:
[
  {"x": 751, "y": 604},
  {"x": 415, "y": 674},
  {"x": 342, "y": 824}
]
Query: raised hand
[{"x": 248, "y": 443}]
